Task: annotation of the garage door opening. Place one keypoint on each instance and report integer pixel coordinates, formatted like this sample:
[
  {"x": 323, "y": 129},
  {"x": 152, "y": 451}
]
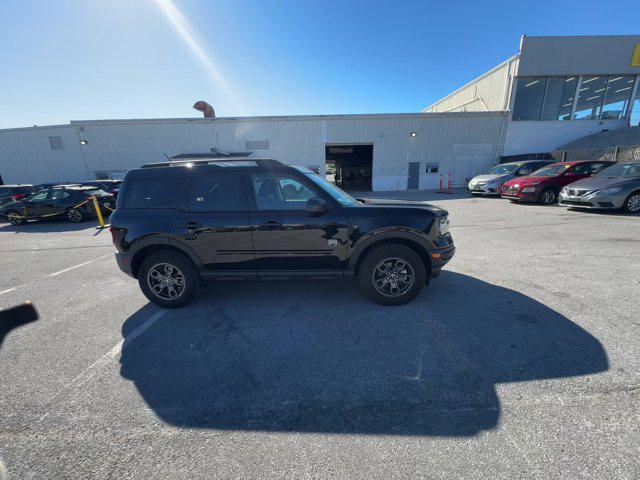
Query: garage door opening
[{"x": 350, "y": 166}]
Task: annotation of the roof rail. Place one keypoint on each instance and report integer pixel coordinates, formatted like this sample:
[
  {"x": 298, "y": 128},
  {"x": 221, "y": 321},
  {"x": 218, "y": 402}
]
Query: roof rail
[{"x": 241, "y": 161}]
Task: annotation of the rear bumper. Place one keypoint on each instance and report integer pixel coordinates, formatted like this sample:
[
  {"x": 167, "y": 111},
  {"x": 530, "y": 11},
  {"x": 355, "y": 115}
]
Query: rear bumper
[{"x": 124, "y": 263}]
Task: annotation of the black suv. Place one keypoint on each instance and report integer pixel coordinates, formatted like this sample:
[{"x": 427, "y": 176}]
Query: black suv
[{"x": 180, "y": 223}]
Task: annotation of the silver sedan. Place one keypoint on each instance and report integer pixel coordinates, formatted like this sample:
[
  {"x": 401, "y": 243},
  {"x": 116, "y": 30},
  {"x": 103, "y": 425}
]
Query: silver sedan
[{"x": 615, "y": 187}]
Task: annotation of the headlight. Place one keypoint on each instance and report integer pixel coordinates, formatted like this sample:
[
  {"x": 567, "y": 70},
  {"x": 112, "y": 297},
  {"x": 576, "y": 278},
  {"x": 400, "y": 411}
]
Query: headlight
[
  {"x": 610, "y": 191},
  {"x": 563, "y": 191},
  {"x": 443, "y": 225},
  {"x": 529, "y": 190}
]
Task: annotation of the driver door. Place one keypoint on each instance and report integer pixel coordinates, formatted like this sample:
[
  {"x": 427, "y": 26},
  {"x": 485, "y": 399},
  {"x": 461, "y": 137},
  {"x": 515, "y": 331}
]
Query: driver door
[
  {"x": 285, "y": 236},
  {"x": 38, "y": 204}
]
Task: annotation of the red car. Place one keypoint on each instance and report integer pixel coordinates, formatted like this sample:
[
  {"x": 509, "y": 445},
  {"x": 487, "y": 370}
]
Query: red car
[{"x": 543, "y": 185}]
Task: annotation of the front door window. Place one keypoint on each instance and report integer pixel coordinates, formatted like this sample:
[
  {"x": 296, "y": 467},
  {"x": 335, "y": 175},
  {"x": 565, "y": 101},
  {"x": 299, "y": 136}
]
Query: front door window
[{"x": 280, "y": 192}]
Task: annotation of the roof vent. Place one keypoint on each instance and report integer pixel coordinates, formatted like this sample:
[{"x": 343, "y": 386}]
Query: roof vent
[
  {"x": 206, "y": 109},
  {"x": 256, "y": 144}
]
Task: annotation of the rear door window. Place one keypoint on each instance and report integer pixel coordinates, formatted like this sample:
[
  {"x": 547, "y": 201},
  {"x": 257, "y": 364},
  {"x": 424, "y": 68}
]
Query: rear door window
[
  {"x": 154, "y": 192},
  {"x": 217, "y": 192},
  {"x": 59, "y": 194}
]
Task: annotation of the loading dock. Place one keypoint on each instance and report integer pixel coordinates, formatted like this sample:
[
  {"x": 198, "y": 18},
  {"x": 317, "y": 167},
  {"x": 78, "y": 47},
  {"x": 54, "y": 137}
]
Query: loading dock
[{"x": 350, "y": 166}]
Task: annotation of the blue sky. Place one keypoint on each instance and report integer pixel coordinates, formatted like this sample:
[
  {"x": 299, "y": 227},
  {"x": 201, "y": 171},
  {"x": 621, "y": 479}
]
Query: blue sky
[{"x": 94, "y": 59}]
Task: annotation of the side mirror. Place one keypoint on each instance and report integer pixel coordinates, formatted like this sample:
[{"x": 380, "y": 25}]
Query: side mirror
[{"x": 317, "y": 206}]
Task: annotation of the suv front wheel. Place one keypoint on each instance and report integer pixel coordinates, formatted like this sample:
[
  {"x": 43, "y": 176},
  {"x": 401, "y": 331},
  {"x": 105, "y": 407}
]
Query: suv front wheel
[
  {"x": 392, "y": 274},
  {"x": 169, "y": 279}
]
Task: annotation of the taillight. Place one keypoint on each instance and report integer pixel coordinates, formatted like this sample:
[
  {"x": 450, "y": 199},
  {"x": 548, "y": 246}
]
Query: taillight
[{"x": 19, "y": 196}]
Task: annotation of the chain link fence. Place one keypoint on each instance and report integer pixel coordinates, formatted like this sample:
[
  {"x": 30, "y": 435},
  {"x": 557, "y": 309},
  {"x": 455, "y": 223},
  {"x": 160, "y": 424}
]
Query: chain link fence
[{"x": 622, "y": 154}]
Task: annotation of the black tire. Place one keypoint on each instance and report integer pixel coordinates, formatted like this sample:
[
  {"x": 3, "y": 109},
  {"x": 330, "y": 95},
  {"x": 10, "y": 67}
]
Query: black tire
[
  {"x": 185, "y": 268},
  {"x": 75, "y": 215},
  {"x": 386, "y": 254},
  {"x": 548, "y": 196},
  {"x": 13, "y": 217},
  {"x": 631, "y": 203}
]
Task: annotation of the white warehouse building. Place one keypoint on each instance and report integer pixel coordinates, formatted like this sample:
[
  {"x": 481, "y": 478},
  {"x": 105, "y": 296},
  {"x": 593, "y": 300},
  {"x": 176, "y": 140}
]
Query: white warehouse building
[{"x": 555, "y": 90}]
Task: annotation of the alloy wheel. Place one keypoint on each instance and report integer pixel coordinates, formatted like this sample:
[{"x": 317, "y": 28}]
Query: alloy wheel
[
  {"x": 633, "y": 204},
  {"x": 14, "y": 218},
  {"x": 166, "y": 281},
  {"x": 393, "y": 277},
  {"x": 548, "y": 197},
  {"x": 74, "y": 215}
]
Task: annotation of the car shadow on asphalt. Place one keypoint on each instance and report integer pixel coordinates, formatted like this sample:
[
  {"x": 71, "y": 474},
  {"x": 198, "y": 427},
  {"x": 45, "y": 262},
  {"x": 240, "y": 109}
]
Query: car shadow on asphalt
[{"x": 317, "y": 357}]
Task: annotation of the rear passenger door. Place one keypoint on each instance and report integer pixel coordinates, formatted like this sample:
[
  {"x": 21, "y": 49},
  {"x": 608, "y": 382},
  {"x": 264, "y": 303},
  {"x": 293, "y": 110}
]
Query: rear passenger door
[{"x": 213, "y": 221}]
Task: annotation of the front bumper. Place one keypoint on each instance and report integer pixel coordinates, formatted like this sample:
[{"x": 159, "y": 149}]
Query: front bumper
[
  {"x": 124, "y": 263},
  {"x": 593, "y": 201},
  {"x": 483, "y": 189},
  {"x": 521, "y": 197},
  {"x": 441, "y": 256}
]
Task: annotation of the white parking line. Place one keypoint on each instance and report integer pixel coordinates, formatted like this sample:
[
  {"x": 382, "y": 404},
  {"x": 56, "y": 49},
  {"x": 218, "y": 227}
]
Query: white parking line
[
  {"x": 10, "y": 289},
  {"x": 79, "y": 265},
  {"x": 90, "y": 372}
]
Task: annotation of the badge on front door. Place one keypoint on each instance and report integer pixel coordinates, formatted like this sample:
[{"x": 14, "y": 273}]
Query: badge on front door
[{"x": 333, "y": 243}]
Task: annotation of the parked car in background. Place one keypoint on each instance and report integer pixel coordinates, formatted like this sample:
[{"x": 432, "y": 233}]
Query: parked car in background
[
  {"x": 71, "y": 202},
  {"x": 617, "y": 186},
  {"x": 10, "y": 193},
  {"x": 44, "y": 186},
  {"x": 544, "y": 185},
  {"x": 108, "y": 185},
  {"x": 490, "y": 183}
]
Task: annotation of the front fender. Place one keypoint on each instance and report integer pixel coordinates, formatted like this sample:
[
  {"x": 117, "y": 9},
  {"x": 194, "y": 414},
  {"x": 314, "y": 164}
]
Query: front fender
[{"x": 388, "y": 233}]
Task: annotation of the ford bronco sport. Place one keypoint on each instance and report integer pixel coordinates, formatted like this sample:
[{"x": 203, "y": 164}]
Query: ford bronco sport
[{"x": 180, "y": 223}]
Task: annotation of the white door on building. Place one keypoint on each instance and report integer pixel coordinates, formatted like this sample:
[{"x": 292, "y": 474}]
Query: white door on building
[{"x": 469, "y": 160}]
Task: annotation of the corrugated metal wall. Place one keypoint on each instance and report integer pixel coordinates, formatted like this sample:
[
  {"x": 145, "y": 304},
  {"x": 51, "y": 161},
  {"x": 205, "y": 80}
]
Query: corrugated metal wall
[
  {"x": 487, "y": 93},
  {"x": 26, "y": 155},
  {"x": 126, "y": 144}
]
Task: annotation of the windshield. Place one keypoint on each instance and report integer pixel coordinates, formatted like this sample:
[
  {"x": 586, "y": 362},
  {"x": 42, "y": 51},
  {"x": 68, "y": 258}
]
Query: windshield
[
  {"x": 624, "y": 170},
  {"x": 503, "y": 169},
  {"x": 342, "y": 197},
  {"x": 551, "y": 171}
]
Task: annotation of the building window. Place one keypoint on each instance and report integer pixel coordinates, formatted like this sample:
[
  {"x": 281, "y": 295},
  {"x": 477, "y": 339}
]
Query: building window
[
  {"x": 635, "y": 110},
  {"x": 558, "y": 98},
  {"x": 590, "y": 97},
  {"x": 529, "y": 97},
  {"x": 617, "y": 96},
  {"x": 56, "y": 143}
]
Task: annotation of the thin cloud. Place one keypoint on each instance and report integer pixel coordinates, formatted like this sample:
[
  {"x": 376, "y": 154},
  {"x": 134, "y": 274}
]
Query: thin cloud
[{"x": 186, "y": 32}]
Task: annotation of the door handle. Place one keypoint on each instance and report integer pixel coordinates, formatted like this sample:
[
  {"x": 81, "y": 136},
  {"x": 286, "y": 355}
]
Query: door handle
[
  {"x": 191, "y": 224},
  {"x": 270, "y": 225}
]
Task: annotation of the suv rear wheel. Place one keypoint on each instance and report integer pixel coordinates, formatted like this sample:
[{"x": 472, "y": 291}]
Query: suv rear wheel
[
  {"x": 392, "y": 274},
  {"x": 168, "y": 279}
]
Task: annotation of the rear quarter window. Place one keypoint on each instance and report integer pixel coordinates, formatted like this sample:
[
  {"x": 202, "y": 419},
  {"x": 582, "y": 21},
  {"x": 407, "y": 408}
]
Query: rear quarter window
[{"x": 149, "y": 193}]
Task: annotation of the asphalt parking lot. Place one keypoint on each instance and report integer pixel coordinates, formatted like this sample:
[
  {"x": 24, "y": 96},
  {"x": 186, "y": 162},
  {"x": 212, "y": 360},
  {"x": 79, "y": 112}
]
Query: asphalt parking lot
[{"x": 519, "y": 361}]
